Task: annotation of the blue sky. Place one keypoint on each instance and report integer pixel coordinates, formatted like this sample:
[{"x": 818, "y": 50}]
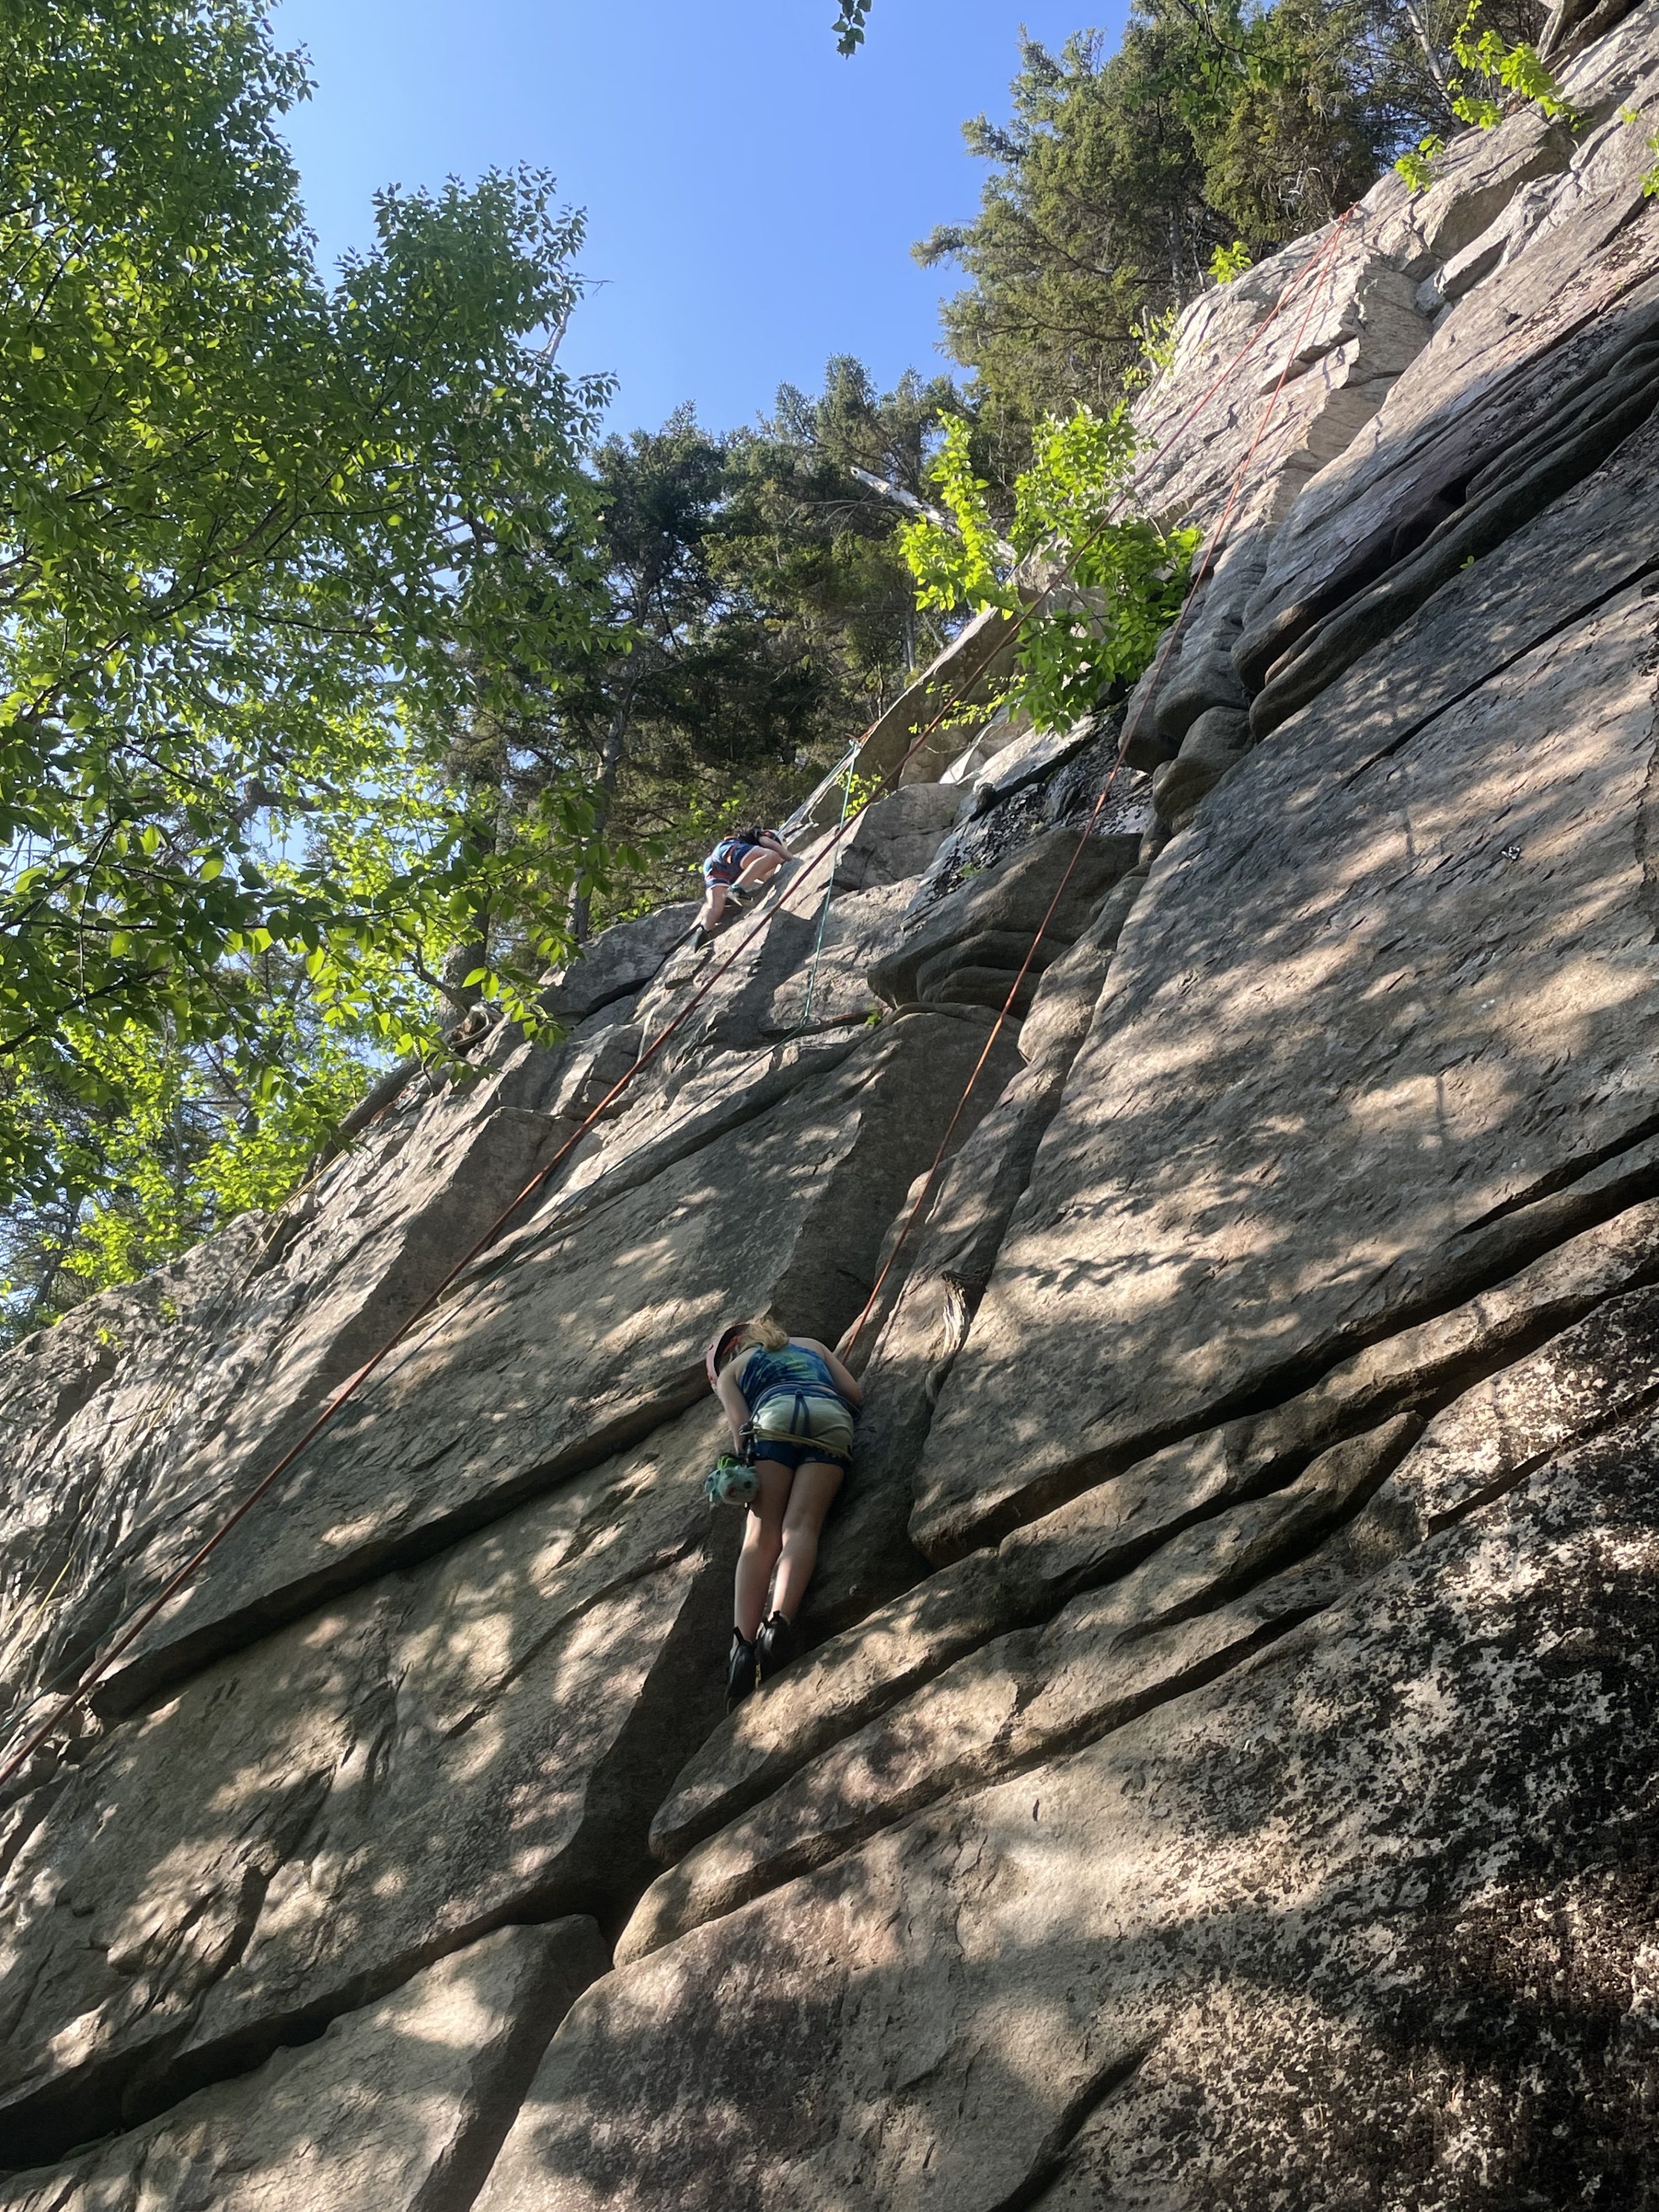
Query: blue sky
[{"x": 751, "y": 196}]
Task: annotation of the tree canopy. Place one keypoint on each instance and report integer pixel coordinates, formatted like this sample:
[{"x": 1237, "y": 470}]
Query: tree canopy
[
  {"x": 759, "y": 612},
  {"x": 264, "y": 541},
  {"x": 1121, "y": 172}
]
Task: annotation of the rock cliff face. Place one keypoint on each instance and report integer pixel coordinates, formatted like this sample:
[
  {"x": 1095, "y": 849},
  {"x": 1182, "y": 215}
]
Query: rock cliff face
[{"x": 1222, "y": 1770}]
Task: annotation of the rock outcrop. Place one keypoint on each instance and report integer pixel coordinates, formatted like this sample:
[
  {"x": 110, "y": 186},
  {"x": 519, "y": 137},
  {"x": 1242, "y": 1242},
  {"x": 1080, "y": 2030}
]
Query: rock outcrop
[
  {"x": 1219, "y": 1767},
  {"x": 401, "y": 2106}
]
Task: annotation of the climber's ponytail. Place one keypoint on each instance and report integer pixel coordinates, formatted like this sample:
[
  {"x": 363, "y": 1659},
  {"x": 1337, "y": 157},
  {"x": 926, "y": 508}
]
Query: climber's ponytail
[{"x": 742, "y": 1336}]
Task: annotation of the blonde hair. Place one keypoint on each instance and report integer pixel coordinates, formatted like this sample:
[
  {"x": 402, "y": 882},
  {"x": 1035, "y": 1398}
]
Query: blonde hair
[{"x": 761, "y": 1330}]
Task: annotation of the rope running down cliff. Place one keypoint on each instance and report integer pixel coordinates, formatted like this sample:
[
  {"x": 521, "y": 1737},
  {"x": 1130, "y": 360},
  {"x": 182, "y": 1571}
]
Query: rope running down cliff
[
  {"x": 99, "y": 1668},
  {"x": 1324, "y": 260}
]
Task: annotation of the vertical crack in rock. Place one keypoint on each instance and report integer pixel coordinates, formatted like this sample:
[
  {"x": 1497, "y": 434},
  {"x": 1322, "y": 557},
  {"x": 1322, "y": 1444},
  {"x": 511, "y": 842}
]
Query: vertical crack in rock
[
  {"x": 867, "y": 1555},
  {"x": 402, "y": 2107},
  {"x": 1644, "y": 819},
  {"x": 1221, "y": 1760}
]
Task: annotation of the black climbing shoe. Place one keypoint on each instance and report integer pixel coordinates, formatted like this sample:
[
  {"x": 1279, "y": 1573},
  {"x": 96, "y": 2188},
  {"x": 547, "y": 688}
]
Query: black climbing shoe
[
  {"x": 740, "y": 1670},
  {"x": 701, "y": 936},
  {"x": 775, "y": 1647}
]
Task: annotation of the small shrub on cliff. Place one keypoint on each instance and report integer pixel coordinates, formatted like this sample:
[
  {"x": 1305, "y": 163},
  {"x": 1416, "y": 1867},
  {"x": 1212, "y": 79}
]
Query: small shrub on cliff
[
  {"x": 1491, "y": 67},
  {"x": 1125, "y": 578},
  {"x": 1229, "y": 263}
]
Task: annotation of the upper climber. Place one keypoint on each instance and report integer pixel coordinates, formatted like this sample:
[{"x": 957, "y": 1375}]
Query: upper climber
[
  {"x": 792, "y": 1400},
  {"x": 734, "y": 868}
]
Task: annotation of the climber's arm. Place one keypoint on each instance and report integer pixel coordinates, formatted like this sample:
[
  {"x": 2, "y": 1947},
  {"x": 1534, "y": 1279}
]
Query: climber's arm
[{"x": 734, "y": 1404}]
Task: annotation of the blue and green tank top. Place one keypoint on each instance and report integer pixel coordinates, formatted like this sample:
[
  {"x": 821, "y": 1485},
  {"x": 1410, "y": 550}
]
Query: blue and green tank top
[{"x": 794, "y": 1369}]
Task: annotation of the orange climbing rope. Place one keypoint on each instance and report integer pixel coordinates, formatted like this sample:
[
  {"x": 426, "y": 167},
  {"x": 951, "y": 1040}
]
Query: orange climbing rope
[
  {"x": 99, "y": 1668},
  {"x": 1324, "y": 259}
]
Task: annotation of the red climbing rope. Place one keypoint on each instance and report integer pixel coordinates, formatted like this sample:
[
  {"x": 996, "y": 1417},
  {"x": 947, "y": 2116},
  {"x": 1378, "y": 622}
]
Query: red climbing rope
[
  {"x": 1325, "y": 258},
  {"x": 99, "y": 1668},
  {"x": 1313, "y": 267}
]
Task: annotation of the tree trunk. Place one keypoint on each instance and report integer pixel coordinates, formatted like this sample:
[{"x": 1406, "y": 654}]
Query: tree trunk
[
  {"x": 466, "y": 960},
  {"x": 610, "y": 761}
]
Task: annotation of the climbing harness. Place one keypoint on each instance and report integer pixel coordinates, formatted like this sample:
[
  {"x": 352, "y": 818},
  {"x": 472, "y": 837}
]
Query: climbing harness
[
  {"x": 805, "y": 1418},
  {"x": 793, "y": 1399},
  {"x": 98, "y": 1668}
]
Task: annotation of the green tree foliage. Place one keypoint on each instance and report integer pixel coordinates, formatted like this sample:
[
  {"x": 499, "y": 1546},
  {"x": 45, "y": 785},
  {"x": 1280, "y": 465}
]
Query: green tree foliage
[
  {"x": 849, "y": 25},
  {"x": 1493, "y": 75},
  {"x": 1494, "y": 70},
  {"x": 760, "y": 613},
  {"x": 264, "y": 545},
  {"x": 1229, "y": 263},
  {"x": 1120, "y": 173},
  {"x": 155, "y": 1144},
  {"x": 1121, "y": 580}
]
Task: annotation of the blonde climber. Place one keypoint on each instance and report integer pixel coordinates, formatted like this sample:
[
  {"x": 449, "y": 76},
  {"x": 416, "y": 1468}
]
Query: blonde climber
[{"x": 791, "y": 1404}]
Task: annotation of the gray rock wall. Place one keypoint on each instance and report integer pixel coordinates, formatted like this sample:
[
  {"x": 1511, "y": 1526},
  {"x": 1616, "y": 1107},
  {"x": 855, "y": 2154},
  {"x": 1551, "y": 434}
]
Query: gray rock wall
[{"x": 1220, "y": 1768}]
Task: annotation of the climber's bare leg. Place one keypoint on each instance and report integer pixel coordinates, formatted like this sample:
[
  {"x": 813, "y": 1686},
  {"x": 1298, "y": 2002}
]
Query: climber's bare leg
[
  {"x": 762, "y": 1540},
  {"x": 759, "y": 868},
  {"x": 810, "y": 1496},
  {"x": 714, "y": 905}
]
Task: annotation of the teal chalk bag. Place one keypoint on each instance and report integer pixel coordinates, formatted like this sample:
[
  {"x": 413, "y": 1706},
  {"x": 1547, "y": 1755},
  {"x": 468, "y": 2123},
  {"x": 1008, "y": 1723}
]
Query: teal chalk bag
[{"x": 731, "y": 1483}]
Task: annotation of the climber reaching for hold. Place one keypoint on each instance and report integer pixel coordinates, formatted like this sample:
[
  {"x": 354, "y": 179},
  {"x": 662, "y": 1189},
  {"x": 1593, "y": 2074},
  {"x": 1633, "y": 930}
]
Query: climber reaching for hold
[
  {"x": 737, "y": 865},
  {"x": 791, "y": 1401}
]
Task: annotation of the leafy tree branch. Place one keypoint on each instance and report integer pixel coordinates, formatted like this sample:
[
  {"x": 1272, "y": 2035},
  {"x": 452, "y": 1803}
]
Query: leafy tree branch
[{"x": 1108, "y": 581}]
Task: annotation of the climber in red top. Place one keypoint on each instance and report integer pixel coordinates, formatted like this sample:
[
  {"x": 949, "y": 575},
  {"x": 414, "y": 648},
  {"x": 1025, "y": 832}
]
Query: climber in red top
[
  {"x": 737, "y": 865},
  {"x": 792, "y": 1403}
]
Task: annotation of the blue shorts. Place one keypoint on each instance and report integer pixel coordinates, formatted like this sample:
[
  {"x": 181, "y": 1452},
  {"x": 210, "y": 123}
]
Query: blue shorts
[
  {"x": 728, "y": 860},
  {"x": 796, "y": 1455}
]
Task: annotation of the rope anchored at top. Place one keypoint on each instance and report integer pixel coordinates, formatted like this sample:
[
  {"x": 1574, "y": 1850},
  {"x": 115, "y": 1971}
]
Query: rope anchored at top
[{"x": 99, "y": 1667}]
